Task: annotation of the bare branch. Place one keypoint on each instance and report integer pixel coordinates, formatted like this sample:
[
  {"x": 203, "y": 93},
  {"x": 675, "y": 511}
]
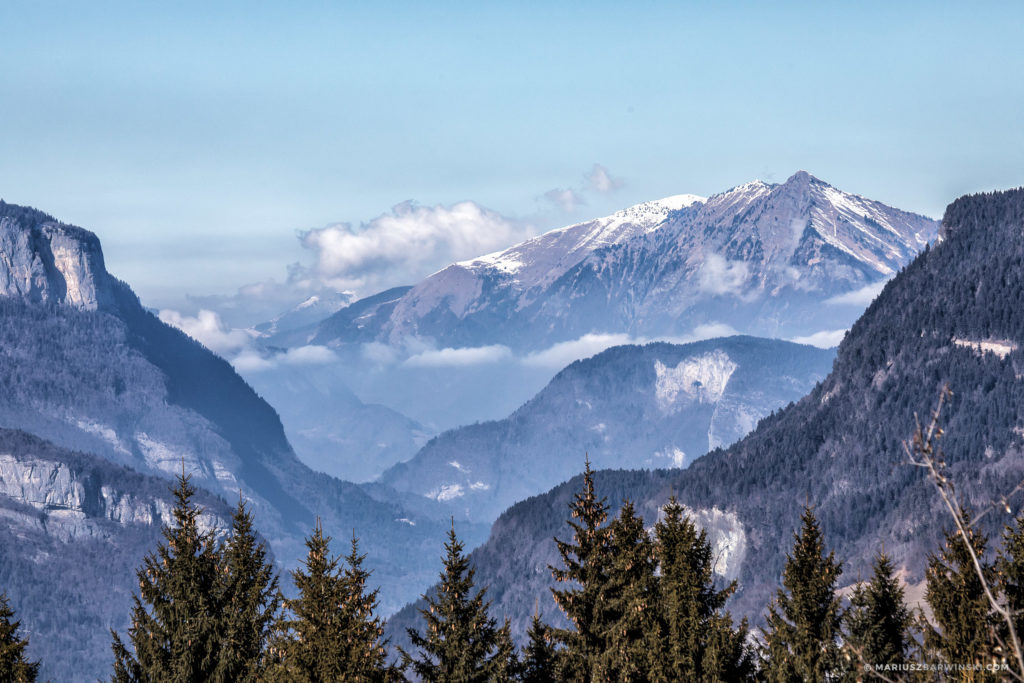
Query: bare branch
[{"x": 924, "y": 451}]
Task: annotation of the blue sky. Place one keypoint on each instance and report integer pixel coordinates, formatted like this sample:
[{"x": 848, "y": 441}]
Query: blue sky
[{"x": 198, "y": 141}]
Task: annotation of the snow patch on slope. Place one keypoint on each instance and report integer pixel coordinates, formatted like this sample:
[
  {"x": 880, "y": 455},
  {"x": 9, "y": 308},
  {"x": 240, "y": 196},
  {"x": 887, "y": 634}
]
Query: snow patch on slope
[
  {"x": 1001, "y": 348},
  {"x": 700, "y": 378}
]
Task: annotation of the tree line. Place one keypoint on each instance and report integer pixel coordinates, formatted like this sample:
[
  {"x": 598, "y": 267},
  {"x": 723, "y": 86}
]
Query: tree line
[{"x": 642, "y": 606}]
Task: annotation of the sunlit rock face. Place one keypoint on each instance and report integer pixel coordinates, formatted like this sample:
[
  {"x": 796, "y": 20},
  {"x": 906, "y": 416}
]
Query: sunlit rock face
[{"x": 42, "y": 260}]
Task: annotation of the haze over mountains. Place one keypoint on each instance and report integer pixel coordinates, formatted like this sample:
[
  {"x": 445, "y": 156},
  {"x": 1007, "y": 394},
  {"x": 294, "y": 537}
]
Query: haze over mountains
[
  {"x": 656, "y": 406},
  {"x": 952, "y": 317},
  {"x": 476, "y": 340},
  {"x": 83, "y": 365},
  {"x": 112, "y": 402}
]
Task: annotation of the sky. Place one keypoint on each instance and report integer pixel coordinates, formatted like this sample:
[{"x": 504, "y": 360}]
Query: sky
[{"x": 279, "y": 146}]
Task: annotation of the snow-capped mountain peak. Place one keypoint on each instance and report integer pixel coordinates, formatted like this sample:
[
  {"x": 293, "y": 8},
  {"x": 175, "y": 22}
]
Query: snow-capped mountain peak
[
  {"x": 541, "y": 260},
  {"x": 759, "y": 257}
]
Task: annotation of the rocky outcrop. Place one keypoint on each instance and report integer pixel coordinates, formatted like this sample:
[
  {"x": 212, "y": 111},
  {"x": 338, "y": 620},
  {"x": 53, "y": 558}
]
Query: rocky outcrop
[
  {"x": 73, "y": 504},
  {"x": 43, "y": 260}
]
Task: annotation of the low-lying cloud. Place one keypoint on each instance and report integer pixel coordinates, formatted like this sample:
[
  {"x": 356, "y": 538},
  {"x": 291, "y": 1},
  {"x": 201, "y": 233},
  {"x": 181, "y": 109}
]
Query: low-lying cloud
[
  {"x": 448, "y": 357},
  {"x": 720, "y": 276},
  {"x": 237, "y": 346},
  {"x": 407, "y": 244},
  {"x": 825, "y": 339},
  {"x": 207, "y": 328},
  {"x": 859, "y": 297},
  {"x": 564, "y": 353}
]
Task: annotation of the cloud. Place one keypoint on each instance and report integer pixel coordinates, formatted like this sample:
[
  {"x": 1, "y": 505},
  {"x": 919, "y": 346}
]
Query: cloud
[
  {"x": 710, "y": 331},
  {"x": 250, "y": 360},
  {"x": 447, "y": 357},
  {"x": 825, "y": 339},
  {"x": 407, "y": 244},
  {"x": 600, "y": 181},
  {"x": 564, "y": 353},
  {"x": 859, "y": 297},
  {"x": 207, "y": 328},
  {"x": 597, "y": 181},
  {"x": 308, "y": 355},
  {"x": 567, "y": 200},
  {"x": 719, "y": 276}
]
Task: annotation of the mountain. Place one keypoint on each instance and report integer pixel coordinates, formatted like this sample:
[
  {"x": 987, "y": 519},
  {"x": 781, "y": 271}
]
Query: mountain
[
  {"x": 659, "y": 405},
  {"x": 951, "y": 317},
  {"x": 309, "y": 312},
  {"x": 75, "y": 527},
  {"x": 766, "y": 259},
  {"x": 329, "y": 427},
  {"x": 86, "y": 367}
]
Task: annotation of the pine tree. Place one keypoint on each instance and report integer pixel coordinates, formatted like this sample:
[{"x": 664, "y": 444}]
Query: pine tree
[
  {"x": 878, "y": 622},
  {"x": 587, "y": 563},
  {"x": 250, "y": 602},
  {"x": 462, "y": 643},
  {"x": 632, "y": 634},
  {"x": 960, "y": 608},
  {"x": 699, "y": 641},
  {"x": 310, "y": 639},
  {"x": 176, "y": 618},
  {"x": 539, "y": 654},
  {"x": 803, "y": 623},
  {"x": 14, "y": 666}
]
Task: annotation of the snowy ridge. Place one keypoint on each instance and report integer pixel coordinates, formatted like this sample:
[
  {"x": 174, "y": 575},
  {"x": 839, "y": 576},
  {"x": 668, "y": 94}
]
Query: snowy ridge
[
  {"x": 760, "y": 258},
  {"x": 539, "y": 261}
]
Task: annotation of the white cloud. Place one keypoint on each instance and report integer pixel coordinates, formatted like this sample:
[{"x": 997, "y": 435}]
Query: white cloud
[
  {"x": 567, "y": 200},
  {"x": 719, "y": 276},
  {"x": 407, "y": 244},
  {"x": 208, "y": 329},
  {"x": 859, "y": 297},
  {"x": 564, "y": 353},
  {"x": 251, "y": 361},
  {"x": 308, "y": 355},
  {"x": 379, "y": 354},
  {"x": 478, "y": 355},
  {"x": 599, "y": 180},
  {"x": 710, "y": 331},
  {"x": 825, "y": 339}
]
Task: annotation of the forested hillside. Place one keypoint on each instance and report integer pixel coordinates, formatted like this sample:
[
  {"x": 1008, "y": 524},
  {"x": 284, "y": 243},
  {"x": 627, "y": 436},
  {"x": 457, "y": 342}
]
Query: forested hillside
[{"x": 952, "y": 317}]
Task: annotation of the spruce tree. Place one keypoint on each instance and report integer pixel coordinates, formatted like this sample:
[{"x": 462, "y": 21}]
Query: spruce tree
[
  {"x": 176, "y": 617},
  {"x": 250, "y": 602},
  {"x": 587, "y": 563},
  {"x": 539, "y": 654},
  {"x": 462, "y": 643},
  {"x": 363, "y": 647},
  {"x": 310, "y": 637},
  {"x": 633, "y": 633},
  {"x": 14, "y": 665},
  {"x": 960, "y": 608},
  {"x": 1010, "y": 566},
  {"x": 699, "y": 641},
  {"x": 878, "y": 622},
  {"x": 803, "y": 622}
]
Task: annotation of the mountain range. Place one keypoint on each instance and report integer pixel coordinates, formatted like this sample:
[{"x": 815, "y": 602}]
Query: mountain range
[
  {"x": 86, "y": 368},
  {"x": 952, "y": 317},
  {"x": 760, "y": 257},
  {"x": 658, "y": 405}
]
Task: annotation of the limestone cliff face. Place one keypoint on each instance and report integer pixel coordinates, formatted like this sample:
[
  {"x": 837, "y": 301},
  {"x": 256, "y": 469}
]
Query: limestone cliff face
[
  {"x": 43, "y": 260},
  {"x": 72, "y": 504}
]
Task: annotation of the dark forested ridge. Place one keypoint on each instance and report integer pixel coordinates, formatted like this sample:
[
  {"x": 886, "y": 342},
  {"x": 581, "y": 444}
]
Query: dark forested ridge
[
  {"x": 85, "y": 366},
  {"x": 840, "y": 448},
  {"x": 629, "y": 406}
]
